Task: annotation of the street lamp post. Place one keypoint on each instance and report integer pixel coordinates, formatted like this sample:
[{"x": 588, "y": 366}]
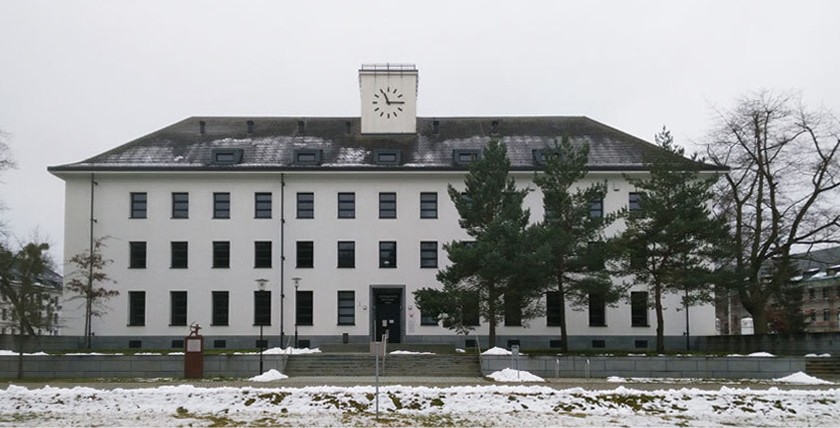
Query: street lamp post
[
  {"x": 297, "y": 284},
  {"x": 261, "y": 285}
]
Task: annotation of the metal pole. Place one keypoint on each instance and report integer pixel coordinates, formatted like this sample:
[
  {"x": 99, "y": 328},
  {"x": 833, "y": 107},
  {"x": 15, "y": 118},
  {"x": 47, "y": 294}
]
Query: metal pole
[
  {"x": 282, "y": 255},
  {"x": 262, "y": 347},
  {"x": 297, "y": 283}
]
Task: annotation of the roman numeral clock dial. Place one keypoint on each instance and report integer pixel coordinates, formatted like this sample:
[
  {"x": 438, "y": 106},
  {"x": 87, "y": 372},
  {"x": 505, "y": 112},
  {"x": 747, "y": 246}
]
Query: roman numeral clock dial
[{"x": 388, "y": 103}]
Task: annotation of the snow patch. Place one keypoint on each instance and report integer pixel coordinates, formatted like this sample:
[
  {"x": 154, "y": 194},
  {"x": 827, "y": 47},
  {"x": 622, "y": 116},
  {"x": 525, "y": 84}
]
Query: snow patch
[
  {"x": 496, "y": 351},
  {"x": 269, "y": 376},
  {"x": 511, "y": 375},
  {"x": 817, "y": 355},
  {"x": 410, "y": 353},
  {"x": 459, "y": 350},
  {"x": 800, "y": 378}
]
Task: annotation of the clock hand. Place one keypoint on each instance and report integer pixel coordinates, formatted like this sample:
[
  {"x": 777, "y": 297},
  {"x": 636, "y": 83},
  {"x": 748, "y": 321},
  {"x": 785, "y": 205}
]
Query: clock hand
[
  {"x": 387, "y": 101},
  {"x": 397, "y": 102}
]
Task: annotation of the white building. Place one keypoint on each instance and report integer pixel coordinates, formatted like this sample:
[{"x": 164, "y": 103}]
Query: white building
[{"x": 343, "y": 219}]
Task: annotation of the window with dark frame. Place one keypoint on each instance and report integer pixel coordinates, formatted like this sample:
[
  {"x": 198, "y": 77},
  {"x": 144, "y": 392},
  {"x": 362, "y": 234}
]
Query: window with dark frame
[
  {"x": 596, "y": 208},
  {"x": 262, "y": 254},
  {"x": 138, "y": 204},
  {"x": 178, "y": 308},
  {"x": 428, "y": 205},
  {"x": 179, "y": 254},
  {"x": 305, "y": 205},
  {"x": 346, "y": 205},
  {"x": 639, "y": 309},
  {"x": 303, "y": 307},
  {"x": 137, "y": 254},
  {"x": 596, "y": 256},
  {"x": 597, "y": 310},
  {"x": 513, "y": 310},
  {"x": 221, "y": 308},
  {"x": 346, "y": 308},
  {"x": 262, "y": 205},
  {"x": 307, "y": 157},
  {"x": 387, "y": 157},
  {"x": 221, "y": 205},
  {"x": 634, "y": 202},
  {"x": 465, "y": 156},
  {"x": 304, "y": 254},
  {"x": 221, "y": 254},
  {"x": 826, "y": 314},
  {"x": 387, "y": 254},
  {"x": 552, "y": 309},
  {"x": 136, "y": 308},
  {"x": 428, "y": 254},
  {"x": 180, "y": 205},
  {"x": 387, "y": 205},
  {"x": 428, "y": 318},
  {"x": 262, "y": 307},
  {"x": 470, "y": 310},
  {"x": 346, "y": 254}
]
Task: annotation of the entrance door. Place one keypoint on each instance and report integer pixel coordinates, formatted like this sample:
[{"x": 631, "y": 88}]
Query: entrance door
[{"x": 387, "y": 313}]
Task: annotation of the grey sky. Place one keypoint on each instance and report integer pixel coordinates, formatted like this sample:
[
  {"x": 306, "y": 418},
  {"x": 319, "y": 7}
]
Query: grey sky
[{"x": 80, "y": 77}]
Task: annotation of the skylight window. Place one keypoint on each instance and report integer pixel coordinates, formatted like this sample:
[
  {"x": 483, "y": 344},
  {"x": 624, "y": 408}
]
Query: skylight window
[
  {"x": 307, "y": 157},
  {"x": 226, "y": 156},
  {"x": 387, "y": 157},
  {"x": 465, "y": 157}
]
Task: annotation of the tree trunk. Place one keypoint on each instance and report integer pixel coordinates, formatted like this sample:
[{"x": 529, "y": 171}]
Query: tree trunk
[
  {"x": 660, "y": 321},
  {"x": 491, "y": 315},
  {"x": 564, "y": 334},
  {"x": 20, "y": 352},
  {"x": 759, "y": 314},
  {"x": 88, "y": 316}
]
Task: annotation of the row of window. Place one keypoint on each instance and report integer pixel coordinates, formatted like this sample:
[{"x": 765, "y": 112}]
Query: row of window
[
  {"x": 513, "y": 311},
  {"x": 220, "y": 308},
  {"x": 305, "y": 254},
  {"x": 263, "y": 204},
  {"x": 346, "y": 309},
  {"x": 306, "y": 205}
]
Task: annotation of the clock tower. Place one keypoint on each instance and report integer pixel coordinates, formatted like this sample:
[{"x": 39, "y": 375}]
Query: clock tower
[{"x": 389, "y": 98}]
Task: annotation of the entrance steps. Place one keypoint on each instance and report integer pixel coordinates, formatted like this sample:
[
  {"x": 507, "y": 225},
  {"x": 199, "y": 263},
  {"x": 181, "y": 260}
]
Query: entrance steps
[
  {"x": 364, "y": 364},
  {"x": 365, "y": 348},
  {"x": 823, "y": 367}
]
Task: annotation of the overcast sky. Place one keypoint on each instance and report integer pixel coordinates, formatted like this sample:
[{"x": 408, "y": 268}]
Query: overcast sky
[{"x": 80, "y": 77}]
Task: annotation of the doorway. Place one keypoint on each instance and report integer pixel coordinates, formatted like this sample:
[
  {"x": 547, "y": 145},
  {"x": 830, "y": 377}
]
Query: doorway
[{"x": 387, "y": 313}]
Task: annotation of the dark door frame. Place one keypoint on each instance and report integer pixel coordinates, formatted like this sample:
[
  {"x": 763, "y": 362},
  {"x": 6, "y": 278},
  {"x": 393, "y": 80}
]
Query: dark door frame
[{"x": 374, "y": 290}]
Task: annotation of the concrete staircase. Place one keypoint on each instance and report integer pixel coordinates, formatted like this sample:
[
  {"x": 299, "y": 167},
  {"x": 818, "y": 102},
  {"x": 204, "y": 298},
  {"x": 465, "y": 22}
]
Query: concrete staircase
[
  {"x": 359, "y": 364},
  {"x": 824, "y": 368}
]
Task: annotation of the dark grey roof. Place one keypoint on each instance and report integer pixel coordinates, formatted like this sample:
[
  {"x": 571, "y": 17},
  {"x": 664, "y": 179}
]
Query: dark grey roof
[
  {"x": 817, "y": 259},
  {"x": 269, "y": 143}
]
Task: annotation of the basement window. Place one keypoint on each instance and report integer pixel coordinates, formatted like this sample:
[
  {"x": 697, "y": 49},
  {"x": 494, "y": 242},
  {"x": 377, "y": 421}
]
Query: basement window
[
  {"x": 307, "y": 157},
  {"x": 387, "y": 157},
  {"x": 227, "y": 156},
  {"x": 465, "y": 156}
]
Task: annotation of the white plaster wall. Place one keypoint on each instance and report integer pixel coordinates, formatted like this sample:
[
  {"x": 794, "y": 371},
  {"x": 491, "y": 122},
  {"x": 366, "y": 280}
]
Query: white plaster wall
[{"x": 325, "y": 279}]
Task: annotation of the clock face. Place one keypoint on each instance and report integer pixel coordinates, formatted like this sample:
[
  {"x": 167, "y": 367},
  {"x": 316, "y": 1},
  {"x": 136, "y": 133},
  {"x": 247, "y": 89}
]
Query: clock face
[{"x": 388, "y": 102}]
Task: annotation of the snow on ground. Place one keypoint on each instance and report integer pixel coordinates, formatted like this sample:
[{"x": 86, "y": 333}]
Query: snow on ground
[
  {"x": 410, "y": 353},
  {"x": 496, "y": 351},
  {"x": 459, "y": 350},
  {"x": 7, "y": 353},
  {"x": 269, "y": 376},
  {"x": 754, "y": 354},
  {"x": 497, "y": 405},
  {"x": 511, "y": 375},
  {"x": 279, "y": 351},
  {"x": 817, "y": 356},
  {"x": 800, "y": 378}
]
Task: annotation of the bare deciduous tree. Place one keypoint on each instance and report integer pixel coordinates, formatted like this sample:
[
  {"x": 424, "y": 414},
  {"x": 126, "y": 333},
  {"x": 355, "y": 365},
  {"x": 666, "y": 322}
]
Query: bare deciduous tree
[
  {"x": 89, "y": 272},
  {"x": 779, "y": 194}
]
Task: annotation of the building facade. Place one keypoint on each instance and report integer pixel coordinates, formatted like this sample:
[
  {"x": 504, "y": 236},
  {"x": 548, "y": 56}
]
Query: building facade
[{"x": 319, "y": 230}]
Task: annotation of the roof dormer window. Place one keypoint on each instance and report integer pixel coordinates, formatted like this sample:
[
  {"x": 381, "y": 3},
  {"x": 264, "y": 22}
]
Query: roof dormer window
[
  {"x": 465, "y": 156},
  {"x": 387, "y": 157},
  {"x": 227, "y": 156},
  {"x": 307, "y": 157}
]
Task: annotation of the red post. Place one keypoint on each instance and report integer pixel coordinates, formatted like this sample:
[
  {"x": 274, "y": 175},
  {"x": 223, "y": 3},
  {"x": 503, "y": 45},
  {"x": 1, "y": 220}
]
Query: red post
[{"x": 194, "y": 354}]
